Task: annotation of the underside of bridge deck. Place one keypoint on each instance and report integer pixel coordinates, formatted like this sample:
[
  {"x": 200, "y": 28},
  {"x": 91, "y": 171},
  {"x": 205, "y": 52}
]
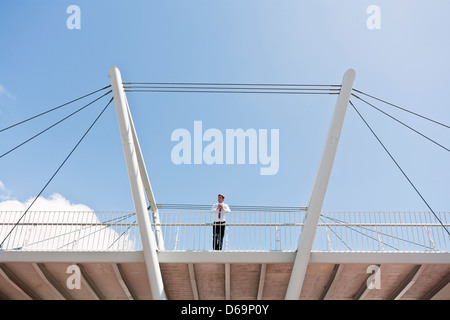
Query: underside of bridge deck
[{"x": 225, "y": 275}]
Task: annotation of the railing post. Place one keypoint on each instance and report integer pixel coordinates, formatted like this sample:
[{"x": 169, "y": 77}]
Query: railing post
[
  {"x": 149, "y": 245},
  {"x": 380, "y": 242},
  {"x": 430, "y": 238},
  {"x": 328, "y": 239},
  {"x": 319, "y": 189}
]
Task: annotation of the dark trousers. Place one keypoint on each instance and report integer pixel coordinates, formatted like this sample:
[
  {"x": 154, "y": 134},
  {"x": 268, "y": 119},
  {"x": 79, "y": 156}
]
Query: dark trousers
[{"x": 218, "y": 233}]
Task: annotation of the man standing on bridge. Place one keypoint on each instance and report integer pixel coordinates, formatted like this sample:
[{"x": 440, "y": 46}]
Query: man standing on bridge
[{"x": 220, "y": 210}]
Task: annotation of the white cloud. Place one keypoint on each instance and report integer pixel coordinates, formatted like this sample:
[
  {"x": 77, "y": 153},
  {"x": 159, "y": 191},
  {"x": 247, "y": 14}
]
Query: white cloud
[
  {"x": 56, "y": 224},
  {"x": 55, "y": 202},
  {"x": 4, "y": 193},
  {"x": 6, "y": 93}
]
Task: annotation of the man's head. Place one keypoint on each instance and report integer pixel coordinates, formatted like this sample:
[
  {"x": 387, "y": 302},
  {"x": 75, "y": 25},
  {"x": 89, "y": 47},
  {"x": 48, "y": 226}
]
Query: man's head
[{"x": 220, "y": 198}]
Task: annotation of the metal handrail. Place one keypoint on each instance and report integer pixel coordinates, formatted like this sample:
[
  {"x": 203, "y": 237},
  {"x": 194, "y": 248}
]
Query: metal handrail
[{"x": 248, "y": 230}]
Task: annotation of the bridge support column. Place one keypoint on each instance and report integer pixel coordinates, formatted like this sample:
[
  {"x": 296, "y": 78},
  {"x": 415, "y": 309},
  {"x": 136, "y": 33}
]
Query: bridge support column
[
  {"x": 147, "y": 186},
  {"x": 320, "y": 187},
  {"x": 137, "y": 188}
]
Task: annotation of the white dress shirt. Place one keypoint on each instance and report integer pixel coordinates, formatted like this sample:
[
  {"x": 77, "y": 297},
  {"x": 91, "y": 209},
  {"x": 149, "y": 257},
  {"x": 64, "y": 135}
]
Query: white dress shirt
[{"x": 223, "y": 212}]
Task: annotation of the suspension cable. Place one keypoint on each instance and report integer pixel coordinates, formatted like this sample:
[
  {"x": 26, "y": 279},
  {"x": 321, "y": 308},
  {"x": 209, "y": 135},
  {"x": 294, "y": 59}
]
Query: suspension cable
[
  {"x": 371, "y": 230},
  {"x": 401, "y": 122},
  {"x": 54, "y": 174},
  {"x": 404, "y": 109},
  {"x": 232, "y": 84},
  {"x": 53, "y": 109},
  {"x": 398, "y": 166},
  {"x": 226, "y": 91},
  {"x": 208, "y": 87},
  {"x": 53, "y": 125},
  {"x": 335, "y": 233}
]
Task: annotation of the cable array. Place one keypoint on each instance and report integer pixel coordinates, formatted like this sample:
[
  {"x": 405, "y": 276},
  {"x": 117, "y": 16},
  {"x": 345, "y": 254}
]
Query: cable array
[
  {"x": 310, "y": 89},
  {"x": 53, "y": 109},
  {"x": 404, "y": 124},
  {"x": 53, "y": 125},
  {"x": 389, "y": 153},
  {"x": 208, "y": 87},
  {"x": 233, "y": 88},
  {"x": 401, "y": 108},
  {"x": 369, "y": 233},
  {"x": 67, "y": 157}
]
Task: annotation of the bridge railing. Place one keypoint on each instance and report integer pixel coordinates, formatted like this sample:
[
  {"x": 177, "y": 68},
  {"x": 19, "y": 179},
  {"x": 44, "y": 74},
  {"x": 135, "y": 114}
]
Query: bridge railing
[
  {"x": 383, "y": 231},
  {"x": 245, "y": 231},
  {"x": 336, "y": 231},
  {"x": 69, "y": 231}
]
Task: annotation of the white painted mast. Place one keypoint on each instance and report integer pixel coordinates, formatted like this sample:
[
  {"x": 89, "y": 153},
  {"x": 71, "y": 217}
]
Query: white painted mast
[
  {"x": 319, "y": 190},
  {"x": 147, "y": 186},
  {"x": 137, "y": 187}
]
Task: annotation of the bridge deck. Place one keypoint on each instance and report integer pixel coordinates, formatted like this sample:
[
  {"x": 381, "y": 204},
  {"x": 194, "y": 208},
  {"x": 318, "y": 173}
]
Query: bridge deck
[
  {"x": 223, "y": 275},
  {"x": 410, "y": 249}
]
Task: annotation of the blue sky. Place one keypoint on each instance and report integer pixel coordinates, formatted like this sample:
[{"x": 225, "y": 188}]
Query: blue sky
[{"x": 44, "y": 64}]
